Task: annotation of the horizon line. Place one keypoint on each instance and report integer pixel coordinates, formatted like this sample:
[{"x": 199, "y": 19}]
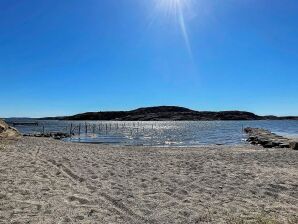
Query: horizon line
[{"x": 141, "y": 107}]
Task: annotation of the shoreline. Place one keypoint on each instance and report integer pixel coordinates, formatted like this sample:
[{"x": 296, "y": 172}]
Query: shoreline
[
  {"x": 203, "y": 145},
  {"x": 45, "y": 181},
  {"x": 155, "y": 133}
]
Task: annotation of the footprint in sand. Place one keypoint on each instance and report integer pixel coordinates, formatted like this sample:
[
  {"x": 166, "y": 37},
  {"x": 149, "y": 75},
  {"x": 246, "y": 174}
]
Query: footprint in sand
[
  {"x": 2, "y": 196},
  {"x": 80, "y": 217},
  {"x": 75, "y": 198},
  {"x": 93, "y": 177},
  {"x": 182, "y": 192},
  {"x": 143, "y": 185}
]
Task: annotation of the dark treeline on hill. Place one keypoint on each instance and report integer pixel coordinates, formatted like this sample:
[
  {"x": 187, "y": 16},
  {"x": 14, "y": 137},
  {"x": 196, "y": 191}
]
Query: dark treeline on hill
[{"x": 168, "y": 113}]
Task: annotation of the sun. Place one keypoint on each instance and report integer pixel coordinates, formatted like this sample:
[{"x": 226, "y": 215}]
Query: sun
[
  {"x": 172, "y": 7},
  {"x": 177, "y": 9}
]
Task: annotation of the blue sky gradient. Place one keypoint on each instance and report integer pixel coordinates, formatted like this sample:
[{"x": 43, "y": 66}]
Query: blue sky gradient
[{"x": 61, "y": 57}]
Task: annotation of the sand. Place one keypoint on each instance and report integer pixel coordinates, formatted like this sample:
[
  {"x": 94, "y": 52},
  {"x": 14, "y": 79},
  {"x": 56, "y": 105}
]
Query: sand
[{"x": 49, "y": 181}]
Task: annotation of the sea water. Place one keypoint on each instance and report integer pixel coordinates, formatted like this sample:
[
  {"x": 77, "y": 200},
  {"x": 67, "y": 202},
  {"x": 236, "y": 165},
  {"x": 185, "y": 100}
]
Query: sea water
[{"x": 161, "y": 133}]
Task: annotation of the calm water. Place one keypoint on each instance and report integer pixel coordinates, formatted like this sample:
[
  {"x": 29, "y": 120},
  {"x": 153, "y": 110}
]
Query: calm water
[{"x": 175, "y": 133}]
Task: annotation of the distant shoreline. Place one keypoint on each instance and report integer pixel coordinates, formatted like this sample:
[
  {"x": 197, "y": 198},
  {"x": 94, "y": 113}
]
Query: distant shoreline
[{"x": 169, "y": 113}]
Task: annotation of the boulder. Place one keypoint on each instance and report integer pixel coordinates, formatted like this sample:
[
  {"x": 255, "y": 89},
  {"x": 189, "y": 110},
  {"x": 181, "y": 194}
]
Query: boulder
[
  {"x": 7, "y": 132},
  {"x": 269, "y": 140},
  {"x": 252, "y": 138},
  {"x": 268, "y": 145},
  {"x": 284, "y": 145},
  {"x": 3, "y": 126},
  {"x": 294, "y": 145}
]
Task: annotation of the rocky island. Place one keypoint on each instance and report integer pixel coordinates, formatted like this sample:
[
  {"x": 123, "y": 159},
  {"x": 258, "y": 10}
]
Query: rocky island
[{"x": 169, "y": 113}]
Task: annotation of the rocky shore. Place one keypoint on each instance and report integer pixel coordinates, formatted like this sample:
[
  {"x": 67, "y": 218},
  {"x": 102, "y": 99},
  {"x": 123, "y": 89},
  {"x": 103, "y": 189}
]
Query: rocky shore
[
  {"x": 7, "y": 132},
  {"x": 267, "y": 139},
  {"x": 54, "y": 135}
]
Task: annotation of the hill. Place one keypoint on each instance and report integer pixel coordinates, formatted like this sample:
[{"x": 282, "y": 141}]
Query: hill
[{"x": 169, "y": 113}]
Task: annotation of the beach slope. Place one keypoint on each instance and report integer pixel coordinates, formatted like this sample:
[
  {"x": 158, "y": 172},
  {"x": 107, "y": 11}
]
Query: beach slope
[{"x": 48, "y": 181}]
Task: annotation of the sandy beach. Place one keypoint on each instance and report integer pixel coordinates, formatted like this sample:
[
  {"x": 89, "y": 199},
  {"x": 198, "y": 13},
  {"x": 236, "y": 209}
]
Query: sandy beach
[{"x": 48, "y": 181}]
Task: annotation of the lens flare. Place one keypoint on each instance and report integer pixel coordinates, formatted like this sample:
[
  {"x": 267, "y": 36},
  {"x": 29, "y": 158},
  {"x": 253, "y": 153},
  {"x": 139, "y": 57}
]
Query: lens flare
[{"x": 177, "y": 9}]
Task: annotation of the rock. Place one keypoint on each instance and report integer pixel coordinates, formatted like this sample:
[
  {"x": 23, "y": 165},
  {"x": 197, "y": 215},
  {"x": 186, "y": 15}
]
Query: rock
[
  {"x": 264, "y": 141},
  {"x": 54, "y": 135},
  {"x": 294, "y": 145},
  {"x": 284, "y": 145},
  {"x": 268, "y": 145},
  {"x": 265, "y": 138},
  {"x": 3, "y": 126},
  {"x": 252, "y": 139},
  {"x": 275, "y": 143},
  {"x": 7, "y": 132}
]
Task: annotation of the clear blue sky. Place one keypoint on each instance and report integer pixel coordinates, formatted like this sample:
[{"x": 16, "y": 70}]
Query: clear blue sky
[{"x": 60, "y": 57}]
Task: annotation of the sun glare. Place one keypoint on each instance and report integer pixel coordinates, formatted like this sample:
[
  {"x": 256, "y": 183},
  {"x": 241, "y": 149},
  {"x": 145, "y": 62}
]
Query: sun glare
[
  {"x": 177, "y": 9},
  {"x": 172, "y": 7}
]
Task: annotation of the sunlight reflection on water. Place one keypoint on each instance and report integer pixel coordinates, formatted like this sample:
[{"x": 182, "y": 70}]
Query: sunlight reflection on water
[{"x": 164, "y": 133}]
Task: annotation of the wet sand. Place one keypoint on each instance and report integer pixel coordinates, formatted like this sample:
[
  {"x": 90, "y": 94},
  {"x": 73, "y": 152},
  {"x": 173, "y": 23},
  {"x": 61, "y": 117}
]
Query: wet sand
[{"x": 48, "y": 181}]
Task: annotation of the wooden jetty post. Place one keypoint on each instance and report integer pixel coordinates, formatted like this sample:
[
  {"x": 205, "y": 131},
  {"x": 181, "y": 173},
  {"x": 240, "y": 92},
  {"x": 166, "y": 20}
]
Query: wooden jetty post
[
  {"x": 70, "y": 130},
  {"x": 79, "y": 129}
]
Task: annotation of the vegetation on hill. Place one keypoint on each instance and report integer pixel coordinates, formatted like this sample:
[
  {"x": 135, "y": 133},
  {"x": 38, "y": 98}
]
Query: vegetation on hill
[{"x": 169, "y": 113}]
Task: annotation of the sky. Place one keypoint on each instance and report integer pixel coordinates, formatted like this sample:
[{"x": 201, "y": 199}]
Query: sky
[{"x": 62, "y": 57}]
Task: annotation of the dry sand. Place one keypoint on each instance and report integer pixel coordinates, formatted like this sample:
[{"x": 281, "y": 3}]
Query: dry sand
[{"x": 48, "y": 181}]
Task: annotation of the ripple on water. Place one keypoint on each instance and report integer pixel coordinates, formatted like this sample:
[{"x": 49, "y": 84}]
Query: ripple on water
[{"x": 164, "y": 133}]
